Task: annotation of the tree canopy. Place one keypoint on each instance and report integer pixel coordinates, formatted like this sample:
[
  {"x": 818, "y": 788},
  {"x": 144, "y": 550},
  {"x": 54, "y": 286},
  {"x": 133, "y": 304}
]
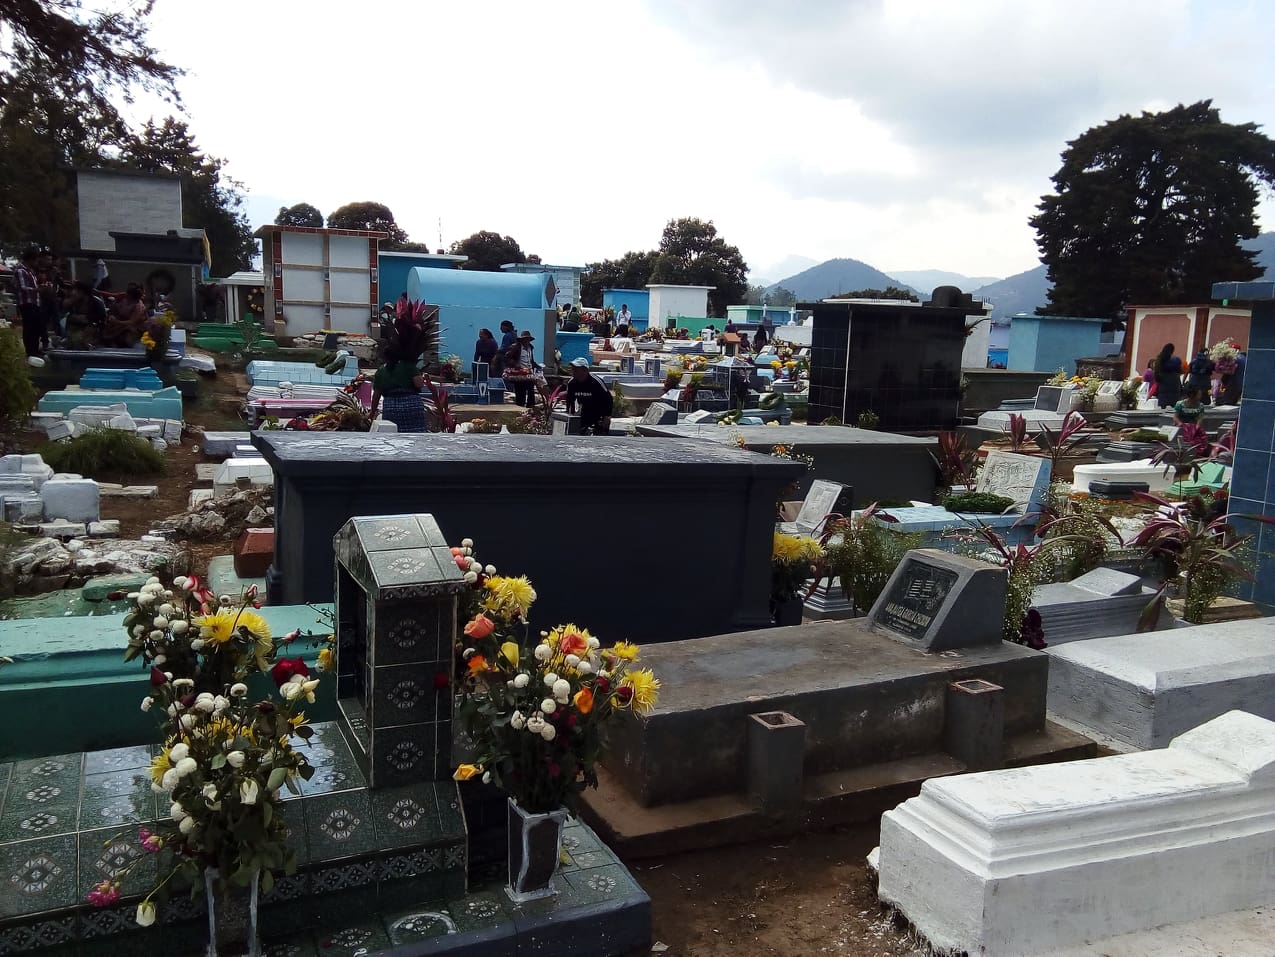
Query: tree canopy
[
  {"x": 300, "y": 214},
  {"x": 210, "y": 200},
  {"x": 690, "y": 253},
  {"x": 488, "y": 251},
  {"x": 1152, "y": 209},
  {"x": 889, "y": 292},
  {"x": 369, "y": 215}
]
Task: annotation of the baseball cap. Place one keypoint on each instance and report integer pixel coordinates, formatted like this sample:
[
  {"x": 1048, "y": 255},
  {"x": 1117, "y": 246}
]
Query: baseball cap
[{"x": 580, "y": 362}]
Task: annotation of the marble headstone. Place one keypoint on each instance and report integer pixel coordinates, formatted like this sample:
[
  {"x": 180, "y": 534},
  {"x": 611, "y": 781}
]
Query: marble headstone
[
  {"x": 1024, "y": 478},
  {"x": 824, "y": 498}
]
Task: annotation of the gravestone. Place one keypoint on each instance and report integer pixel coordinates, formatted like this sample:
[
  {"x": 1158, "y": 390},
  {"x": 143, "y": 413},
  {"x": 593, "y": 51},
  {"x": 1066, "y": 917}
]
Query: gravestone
[
  {"x": 1054, "y": 398},
  {"x": 657, "y": 413},
  {"x": 939, "y": 601},
  {"x": 1024, "y": 478},
  {"x": 824, "y": 498},
  {"x": 1099, "y": 603}
]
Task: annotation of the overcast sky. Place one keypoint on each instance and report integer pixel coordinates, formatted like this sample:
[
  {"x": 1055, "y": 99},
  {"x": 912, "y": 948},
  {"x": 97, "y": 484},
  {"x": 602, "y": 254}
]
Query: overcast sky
[{"x": 910, "y": 135}]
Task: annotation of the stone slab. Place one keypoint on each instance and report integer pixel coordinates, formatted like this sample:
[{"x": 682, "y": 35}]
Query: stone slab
[
  {"x": 222, "y": 444},
  {"x": 129, "y": 491},
  {"x": 1023, "y": 478},
  {"x": 937, "y": 601},
  {"x": 1144, "y": 689},
  {"x": 471, "y": 482},
  {"x": 1116, "y": 845},
  {"x": 865, "y": 698},
  {"x": 162, "y": 403},
  {"x": 1158, "y": 477},
  {"x": 75, "y": 500},
  {"x": 253, "y": 552},
  {"x": 106, "y": 528}
]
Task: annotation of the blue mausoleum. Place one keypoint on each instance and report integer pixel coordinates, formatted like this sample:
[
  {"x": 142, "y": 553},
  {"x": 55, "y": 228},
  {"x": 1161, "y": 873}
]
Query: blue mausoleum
[
  {"x": 1050, "y": 343},
  {"x": 473, "y": 300},
  {"x": 638, "y": 300},
  {"x": 394, "y": 267}
]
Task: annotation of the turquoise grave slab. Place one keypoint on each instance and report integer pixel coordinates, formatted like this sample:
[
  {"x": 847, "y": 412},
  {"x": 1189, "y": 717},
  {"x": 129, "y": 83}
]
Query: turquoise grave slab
[{"x": 160, "y": 404}]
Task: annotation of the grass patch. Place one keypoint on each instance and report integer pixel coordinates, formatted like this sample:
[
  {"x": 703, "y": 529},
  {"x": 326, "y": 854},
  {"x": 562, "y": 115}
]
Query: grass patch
[{"x": 104, "y": 451}]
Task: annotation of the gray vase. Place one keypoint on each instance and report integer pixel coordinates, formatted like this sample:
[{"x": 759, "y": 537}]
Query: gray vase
[
  {"x": 535, "y": 847},
  {"x": 232, "y": 917}
]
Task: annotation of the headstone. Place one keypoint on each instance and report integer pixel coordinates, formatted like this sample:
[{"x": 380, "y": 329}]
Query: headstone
[
  {"x": 657, "y": 413},
  {"x": 1054, "y": 398},
  {"x": 1117, "y": 491},
  {"x": 74, "y": 500},
  {"x": 480, "y": 372},
  {"x": 1109, "y": 581},
  {"x": 565, "y": 424},
  {"x": 1023, "y": 478},
  {"x": 383, "y": 425},
  {"x": 824, "y": 498},
  {"x": 698, "y": 416},
  {"x": 59, "y": 430},
  {"x": 221, "y": 445},
  {"x": 253, "y": 552},
  {"x": 938, "y": 601},
  {"x": 1116, "y": 845}
]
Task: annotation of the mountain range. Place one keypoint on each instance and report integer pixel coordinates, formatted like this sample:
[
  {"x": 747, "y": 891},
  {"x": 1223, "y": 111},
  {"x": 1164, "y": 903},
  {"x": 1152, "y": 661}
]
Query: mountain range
[{"x": 1020, "y": 293}]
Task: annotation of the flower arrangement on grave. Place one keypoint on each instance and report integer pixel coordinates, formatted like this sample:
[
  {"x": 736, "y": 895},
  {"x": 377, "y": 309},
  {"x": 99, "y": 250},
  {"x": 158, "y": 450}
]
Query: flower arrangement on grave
[
  {"x": 156, "y": 333},
  {"x": 652, "y": 334},
  {"x": 1128, "y": 396},
  {"x": 483, "y": 427},
  {"x": 223, "y": 763},
  {"x": 673, "y": 378},
  {"x": 188, "y": 631},
  {"x": 536, "y": 710},
  {"x": 793, "y": 560},
  {"x": 1059, "y": 378},
  {"x": 450, "y": 370},
  {"x": 1225, "y": 355}
]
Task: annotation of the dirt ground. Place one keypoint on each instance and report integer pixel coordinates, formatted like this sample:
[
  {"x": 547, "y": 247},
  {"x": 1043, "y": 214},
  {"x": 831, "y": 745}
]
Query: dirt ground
[{"x": 808, "y": 895}]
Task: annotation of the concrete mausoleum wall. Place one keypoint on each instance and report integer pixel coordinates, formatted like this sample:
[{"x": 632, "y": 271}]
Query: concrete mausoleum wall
[
  {"x": 1189, "y": 327},
  {"x": 125, "y": 202},
  {"x": 638, "y": 300},
  {"x": 669, "y": 301},
  {"x": 1050, "y": 343}
]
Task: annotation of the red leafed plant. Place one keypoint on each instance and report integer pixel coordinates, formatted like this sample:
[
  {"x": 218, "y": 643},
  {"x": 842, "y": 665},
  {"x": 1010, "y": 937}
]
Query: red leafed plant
[
  {"x": 438, "y": 407},
  {"x": 957, "y": 462},
  {"x": 1017, "y": 432},
  {"x": 1191, "y": 448},
  {"x": 1063, "y": 442}
]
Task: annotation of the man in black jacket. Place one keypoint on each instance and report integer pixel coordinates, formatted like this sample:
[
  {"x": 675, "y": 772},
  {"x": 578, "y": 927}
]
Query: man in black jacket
[{"x": 593, "y": 397}]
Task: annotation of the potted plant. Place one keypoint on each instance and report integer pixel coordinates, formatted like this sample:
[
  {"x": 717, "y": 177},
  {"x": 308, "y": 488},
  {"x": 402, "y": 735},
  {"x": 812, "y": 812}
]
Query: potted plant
[
  {"x": 224, "y": 758},
  {"x": 536, "y": 709},
  {"x": 794, "y": 559}
]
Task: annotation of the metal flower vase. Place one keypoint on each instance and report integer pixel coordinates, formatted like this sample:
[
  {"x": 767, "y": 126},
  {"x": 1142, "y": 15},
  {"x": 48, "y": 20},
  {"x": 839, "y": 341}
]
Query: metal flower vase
[
  {"x": 535, "y": 848},
  {"x": 788, "y": 612},
  {"x": 232, "y": 917}
]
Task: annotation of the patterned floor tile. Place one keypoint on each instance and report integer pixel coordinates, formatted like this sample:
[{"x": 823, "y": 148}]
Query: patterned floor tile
[
  {"x": 115, "y": 854},
  {"x": 117, "y": 759},
  {"x": 405, "y": 816},
  {"x": 39, "y": 875},
  {"x": 420, "y": 923},
  {"x": 117, "y": 798},
  {"x": 339, "y": 825},
  {"x": 600, "y": 883},
  {"x": 481, "y": 910},
  {"x": 21, "y": 936},
  {"x": 301, "y": 946},
  {"x": 357, "y": 939},
  {"x": 451, "y": 817}
]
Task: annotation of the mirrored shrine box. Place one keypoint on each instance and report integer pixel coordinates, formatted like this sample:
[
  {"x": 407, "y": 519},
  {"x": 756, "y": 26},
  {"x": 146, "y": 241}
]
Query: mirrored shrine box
[{"x": 397, "y": 588}]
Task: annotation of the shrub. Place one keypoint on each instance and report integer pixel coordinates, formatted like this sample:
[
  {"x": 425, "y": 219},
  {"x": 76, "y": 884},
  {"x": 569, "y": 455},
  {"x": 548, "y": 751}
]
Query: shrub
[
  {"x": 104, "y": 451},
  {"x": 17, "y": 394},
  {"x": 978, "y": 503},
  {"x": 864, "y": 556},
  {"x": 869, "y": 420}
]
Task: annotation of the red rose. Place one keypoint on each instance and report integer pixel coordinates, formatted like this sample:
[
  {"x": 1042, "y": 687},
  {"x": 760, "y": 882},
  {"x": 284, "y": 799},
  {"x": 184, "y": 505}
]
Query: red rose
[
  {"x": 158, "y": 677},
  {"x": 265, "y": 707},
  {"x": 441, "y": 680},
  {"x": 571, "y": 720},
  {"x": 603, "y": 684},
  {"x": 116, "y": 596},
  {"x": 285, "y": 668},
  {"x": 624, "y": 695}
]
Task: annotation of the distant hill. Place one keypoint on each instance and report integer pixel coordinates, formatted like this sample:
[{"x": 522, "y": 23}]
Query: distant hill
[
  {"x": 834, "y": 276},
  {"x": 927, "y": 280},
  {"x": 1014, "y": 294}
]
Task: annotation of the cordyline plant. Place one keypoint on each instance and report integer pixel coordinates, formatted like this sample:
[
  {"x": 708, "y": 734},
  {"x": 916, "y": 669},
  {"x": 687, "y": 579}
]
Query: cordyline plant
[
  {"x": 957, "y": 462},
  {"x": 863, "y": 553},
  {"x": 1085, "y": 529},
  {"x": 1191, "y": 448},
  {"x": 1017, "y": 431},
  {"x": 1064, "y": 442},
  {"x": 438, "y": 407},
  {"x": 1201, "y": 550}
]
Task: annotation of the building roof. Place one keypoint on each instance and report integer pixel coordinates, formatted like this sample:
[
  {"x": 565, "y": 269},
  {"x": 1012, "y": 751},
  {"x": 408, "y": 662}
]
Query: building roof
[
  {"x": 133, "y": 173},
  {"x": 448, "y": 257},
  {"x": 674, "y": 285},
  {"x": 273, "y": 228}
]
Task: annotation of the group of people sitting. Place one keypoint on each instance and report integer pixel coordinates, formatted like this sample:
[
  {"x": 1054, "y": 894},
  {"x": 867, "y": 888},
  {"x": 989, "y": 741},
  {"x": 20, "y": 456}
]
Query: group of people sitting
[{"x": 86, "y": 314}]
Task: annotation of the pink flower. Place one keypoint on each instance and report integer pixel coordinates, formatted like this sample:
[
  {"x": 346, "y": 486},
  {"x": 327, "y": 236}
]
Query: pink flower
[
  {"x": 251, "y": 593},
  {"x": 291, "y": 636},
  {"x": 104, "y": 893},
  {"x": 151, "y": 842}
]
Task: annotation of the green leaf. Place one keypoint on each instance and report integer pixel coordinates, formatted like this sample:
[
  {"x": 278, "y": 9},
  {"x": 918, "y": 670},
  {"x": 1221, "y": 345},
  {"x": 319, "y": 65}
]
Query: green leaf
[
  {"x": 219, "y": 760},
  {"x": 276, "y": 779},
  {"x": 267, "y": 812},
  {"x": 267, "y": 882}
]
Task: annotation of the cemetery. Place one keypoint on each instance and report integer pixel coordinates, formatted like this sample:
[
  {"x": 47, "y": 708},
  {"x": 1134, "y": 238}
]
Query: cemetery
[{"x": 798, "y": 593}]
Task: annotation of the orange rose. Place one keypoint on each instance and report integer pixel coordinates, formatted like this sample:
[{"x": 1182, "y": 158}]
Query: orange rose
[
  {"x": 480, "y": 627},
  {"x": 584, "y": 700},
  {"x": 573, "y": 644},
  {"x": 478, "y": 664}
]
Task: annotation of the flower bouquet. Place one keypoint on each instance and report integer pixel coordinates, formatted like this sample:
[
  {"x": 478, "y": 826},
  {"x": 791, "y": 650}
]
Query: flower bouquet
[
  {"x": 1224, "y": 355},
  {"x": 536, "y": 710},
  {"x": 156, "y": 333},
  {"x": 793, "y": 560}
]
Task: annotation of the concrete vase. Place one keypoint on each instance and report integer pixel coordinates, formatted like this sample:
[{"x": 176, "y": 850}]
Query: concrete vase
[{"x": 535, "y": 847}]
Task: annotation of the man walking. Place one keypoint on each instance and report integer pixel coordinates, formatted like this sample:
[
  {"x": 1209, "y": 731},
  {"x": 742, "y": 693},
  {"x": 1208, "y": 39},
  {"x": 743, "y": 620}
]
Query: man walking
[{"x": 593, "y": 396}]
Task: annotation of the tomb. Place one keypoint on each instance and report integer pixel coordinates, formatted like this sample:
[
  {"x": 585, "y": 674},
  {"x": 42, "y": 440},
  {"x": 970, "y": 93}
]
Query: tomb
[
  {"x": 553, "y": 490},
  {"x": 145, "y": 379},
  {"x": 823, "y": 499},
  {"x": 1157, "y": 477},
  {"x": 271, "y": 372},
  {"x": 1144, "y": 689},
  {"x": 871, "y": 693},
  {"x": 1033, "y": 860},
  {"x": 160, "y": 404},
  {"x": 1097, "y": 604},
  {"x": 879, "y": 466}
]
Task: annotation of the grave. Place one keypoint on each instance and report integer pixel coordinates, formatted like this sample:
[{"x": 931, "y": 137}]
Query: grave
[
  {"x": 74, "y": 500},
  {"x": 823, "y": 499},
  {"x": 271, "y": 372},
  {"x": 1112, "y": 846},
  {"x": 1125, "y": 451},
  {"x": 871, "y": 693},
  {"x": 379, "y": 830},
  {"x": 160, "y": 404},
  {"x": 1144, "y": 689},
  {"x": 1097, "y": 604},
  {"x": 1157, "y": 477},
  {"x": 145, "y": 380},
  {"x": 221, "y": 445},
  {"x": 877, "y": 465},
  {"x": 556, "y": 487},
  {"x": 657, "y": 413}
]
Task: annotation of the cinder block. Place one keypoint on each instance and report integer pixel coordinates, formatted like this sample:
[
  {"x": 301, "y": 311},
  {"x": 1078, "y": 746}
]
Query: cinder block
[
  {"x": 776, "y": 754},
  {"x": 106, "y": 528},
  {"x": 75, "y": 500},
  {"x": 974, "y": 725}
]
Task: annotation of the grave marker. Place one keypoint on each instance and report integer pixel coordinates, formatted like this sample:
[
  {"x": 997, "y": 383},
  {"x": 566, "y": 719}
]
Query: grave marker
[
  {"x": 1054, "y": 398},
  {"x": 1024, "y": 478},
  {"x": 824, "y": 498},
  {"x": 939, "y": 601}
]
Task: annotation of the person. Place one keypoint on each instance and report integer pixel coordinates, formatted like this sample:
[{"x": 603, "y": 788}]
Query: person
[
  {"x": 571, "y": 320},
  {"x": 760, "y": 340},
  {"x": 624, "y": 317},
  {"x": 101, "y": 275},
  {"x": 1188, "y": 411},
  {"x": 1200, "y": 374},
  {"x": 87, "y": 318},
  {"x": 731, "y": 327},
  {"x": 49, "y": 280},
  {"x": 399, "y": 382},
  {"x": 520, "y": 369},
  {"x": 508, "y": 337},
  {"x": 125, "y": 328},
  {"x": 28, "y": 295},
  {"x": 1167, "y": 369},
  {"x": 486, "y": 348},
  {"x": 622, "y": 342},
  {"x": 592, "y": 396}
]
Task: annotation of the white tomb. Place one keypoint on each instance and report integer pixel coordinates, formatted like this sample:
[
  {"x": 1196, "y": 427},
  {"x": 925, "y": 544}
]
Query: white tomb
[
  {"x": 1157, "y": 477},
  {"x": 1144, "y": 689},
  {"x": 1029, "y": 860}
]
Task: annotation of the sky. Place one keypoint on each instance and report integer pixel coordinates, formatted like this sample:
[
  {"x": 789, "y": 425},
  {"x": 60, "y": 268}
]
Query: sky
[{"x": 909, "y": 135}]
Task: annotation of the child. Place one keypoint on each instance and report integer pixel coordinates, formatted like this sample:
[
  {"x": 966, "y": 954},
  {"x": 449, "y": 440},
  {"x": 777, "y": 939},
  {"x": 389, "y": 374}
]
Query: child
[{"x": 1188, "y": 411}]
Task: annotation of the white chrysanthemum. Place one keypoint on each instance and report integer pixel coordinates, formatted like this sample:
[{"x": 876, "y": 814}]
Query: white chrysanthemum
[
  {"x": 548, "y": 732},
  {"x": 543, "y": 652},
  {"x": 522, "y": 680},
  {"x": 536, "y": 723},
  {"x": 180, "y": 750},
  {"x": 548, "y": 706},
  {"x": 550, "y": 678},
  {"x": 562, "y": 689}
]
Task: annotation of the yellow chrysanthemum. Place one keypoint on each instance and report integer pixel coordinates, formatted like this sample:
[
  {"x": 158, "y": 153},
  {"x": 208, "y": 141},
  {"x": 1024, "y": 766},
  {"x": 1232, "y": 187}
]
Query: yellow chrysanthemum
[
  {"x": 646, "y": 690},
  {"x": 160, "y": 764},
  {"x": 795, "y": 548},
  {"x": 509, "y": 596},
  {"x": 327, "y": 659},
  {"x": 221, "y": 626},
  {"x": 625, "y": 650}
]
